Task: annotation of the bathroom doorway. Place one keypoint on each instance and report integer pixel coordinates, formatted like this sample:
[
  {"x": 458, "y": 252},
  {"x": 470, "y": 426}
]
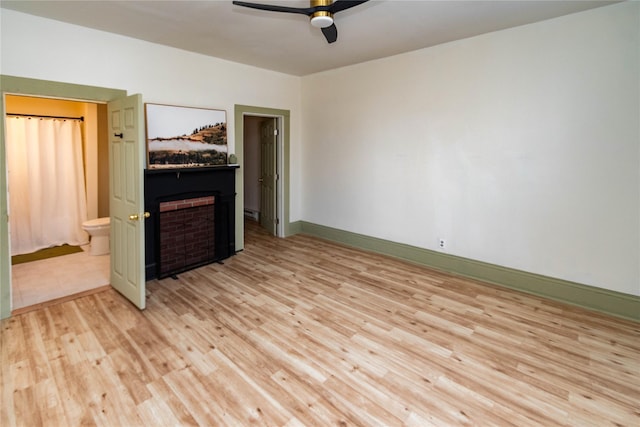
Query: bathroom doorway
[{"x": 43, "y": 277}]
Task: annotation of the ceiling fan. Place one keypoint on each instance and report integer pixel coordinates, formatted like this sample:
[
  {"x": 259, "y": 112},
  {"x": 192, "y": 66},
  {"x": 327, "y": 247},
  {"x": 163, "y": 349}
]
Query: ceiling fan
[{"x": 320, "y": 11}]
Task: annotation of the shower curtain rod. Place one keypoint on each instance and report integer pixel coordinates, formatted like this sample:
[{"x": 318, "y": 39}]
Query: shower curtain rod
[{"x": 81, "y": 118}]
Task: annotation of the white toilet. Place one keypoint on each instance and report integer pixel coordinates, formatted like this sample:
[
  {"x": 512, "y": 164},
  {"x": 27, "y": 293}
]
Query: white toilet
[{"x": 98, "y": 229}]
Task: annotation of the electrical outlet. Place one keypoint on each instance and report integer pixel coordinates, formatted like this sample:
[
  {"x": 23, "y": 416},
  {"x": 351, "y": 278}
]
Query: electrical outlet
[{"x": 441, "y": 243}]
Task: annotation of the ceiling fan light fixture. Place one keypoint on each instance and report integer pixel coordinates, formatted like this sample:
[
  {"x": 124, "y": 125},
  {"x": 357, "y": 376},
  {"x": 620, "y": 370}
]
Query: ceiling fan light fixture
[
  {"x": 319, "y": 11},
  {"x": 322, "y": 19}
]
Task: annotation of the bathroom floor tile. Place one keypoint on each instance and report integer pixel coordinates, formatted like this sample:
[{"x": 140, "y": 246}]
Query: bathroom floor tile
[{"x": 52, "y": 278}]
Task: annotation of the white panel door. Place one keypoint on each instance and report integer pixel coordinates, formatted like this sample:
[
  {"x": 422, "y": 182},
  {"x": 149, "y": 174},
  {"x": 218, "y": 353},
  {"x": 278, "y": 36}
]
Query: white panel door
[
  {"x": 268, "y": 175},
  {"x": 126, "y": 197}
]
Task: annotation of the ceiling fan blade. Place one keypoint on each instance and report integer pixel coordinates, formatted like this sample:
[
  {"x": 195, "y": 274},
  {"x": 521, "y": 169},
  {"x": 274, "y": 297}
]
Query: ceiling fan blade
[
  {"x": 330, "y": 33},
  {"x": 340, "y": 5},
  {"x": 273, "y": 8}
]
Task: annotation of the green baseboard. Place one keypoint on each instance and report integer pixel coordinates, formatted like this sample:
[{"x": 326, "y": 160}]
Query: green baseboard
[
  {"x": 293, "y": 228},
  {"x": 610, "y": 302}
]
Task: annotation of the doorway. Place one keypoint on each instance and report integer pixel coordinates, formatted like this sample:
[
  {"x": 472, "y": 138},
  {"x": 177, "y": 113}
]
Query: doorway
[
  {"x": 37, "y": 88},
  {"x": 261, "y": 172},
  {"x": 58, "y": 272},
  {"x": 282, "y": 120}
]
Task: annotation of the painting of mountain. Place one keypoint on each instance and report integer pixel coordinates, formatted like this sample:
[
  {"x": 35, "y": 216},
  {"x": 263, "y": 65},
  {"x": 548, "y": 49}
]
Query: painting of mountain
[{"x": 185, "y": 136}]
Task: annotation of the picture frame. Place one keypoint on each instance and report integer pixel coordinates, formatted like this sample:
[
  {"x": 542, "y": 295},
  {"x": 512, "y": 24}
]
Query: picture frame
[{"x": 182, "y": 137}]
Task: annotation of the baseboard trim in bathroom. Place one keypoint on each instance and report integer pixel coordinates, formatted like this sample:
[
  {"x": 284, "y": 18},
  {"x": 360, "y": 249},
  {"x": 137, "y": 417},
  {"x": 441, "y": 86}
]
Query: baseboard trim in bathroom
[
  {"x": 251, "y": 214},
  {"x": 66, "y": 298},
  {"x": 45, "y": 253}
]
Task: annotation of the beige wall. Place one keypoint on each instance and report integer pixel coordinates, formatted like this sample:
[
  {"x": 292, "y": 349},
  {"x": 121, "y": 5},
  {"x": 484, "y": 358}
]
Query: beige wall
[
  {"x": 43, "y": 106},
  {"x": 103, "y": 161}
]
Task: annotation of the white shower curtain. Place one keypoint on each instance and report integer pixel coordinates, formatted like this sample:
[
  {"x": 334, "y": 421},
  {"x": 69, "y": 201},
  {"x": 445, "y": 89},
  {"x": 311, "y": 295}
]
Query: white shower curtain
[{"x": 47, "y": 199}]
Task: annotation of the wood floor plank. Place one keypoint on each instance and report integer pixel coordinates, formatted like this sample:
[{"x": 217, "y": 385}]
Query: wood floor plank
[
  {"x": 156, "y": 412},
  {"x": 304, "y": 332},
  {"x": 167, "y": 400},
  {"x": 47, "y": 399},
  {"x": 200, "y": 404},
  {"x": 309, "y": 406}
]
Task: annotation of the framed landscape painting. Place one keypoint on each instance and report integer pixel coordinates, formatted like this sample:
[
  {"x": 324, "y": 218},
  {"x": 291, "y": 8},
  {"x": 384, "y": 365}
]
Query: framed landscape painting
[{"x": 185, "y": 136}]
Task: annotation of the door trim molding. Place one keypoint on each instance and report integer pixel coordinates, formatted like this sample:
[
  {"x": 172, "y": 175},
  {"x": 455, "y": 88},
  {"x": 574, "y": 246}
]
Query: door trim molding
[
  {"x": 14, "y": 85},
  {"x": 247, "y": 110}
]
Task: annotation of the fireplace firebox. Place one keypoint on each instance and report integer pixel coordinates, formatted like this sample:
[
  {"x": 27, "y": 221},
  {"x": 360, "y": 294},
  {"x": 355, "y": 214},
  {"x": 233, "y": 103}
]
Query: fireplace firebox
[
  {"x": 187, "y": 234},
  {"x": 192, "y": 220}
]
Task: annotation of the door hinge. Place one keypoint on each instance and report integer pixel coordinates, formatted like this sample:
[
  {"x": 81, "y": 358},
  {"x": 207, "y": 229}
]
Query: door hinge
[
  {"x": 275, "y": 132},
  {"x": 276, "y": 221}
]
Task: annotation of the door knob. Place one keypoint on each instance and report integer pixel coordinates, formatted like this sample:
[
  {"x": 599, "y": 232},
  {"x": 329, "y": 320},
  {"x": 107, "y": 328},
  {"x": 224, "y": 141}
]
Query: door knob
[{"x": 136, "y": 217}]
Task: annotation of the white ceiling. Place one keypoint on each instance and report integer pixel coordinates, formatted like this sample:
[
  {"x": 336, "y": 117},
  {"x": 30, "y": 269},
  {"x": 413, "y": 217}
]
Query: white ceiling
[{"x": 287, "y": 42}]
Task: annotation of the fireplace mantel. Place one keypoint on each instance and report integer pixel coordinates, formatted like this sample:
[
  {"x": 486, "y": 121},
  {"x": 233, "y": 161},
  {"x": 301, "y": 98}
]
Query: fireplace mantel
[
  {"x": 189, "y": 170},
  {"x": 162, "y": 185}
]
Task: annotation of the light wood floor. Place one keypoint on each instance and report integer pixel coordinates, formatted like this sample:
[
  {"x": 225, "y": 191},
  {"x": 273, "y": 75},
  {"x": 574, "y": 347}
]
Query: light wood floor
[{"x": 304, "y": 332}]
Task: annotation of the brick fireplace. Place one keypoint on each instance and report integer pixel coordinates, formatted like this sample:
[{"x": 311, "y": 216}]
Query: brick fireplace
[
  {"x": 192, "y": 220},
  {"x": 187, "y": 234}
]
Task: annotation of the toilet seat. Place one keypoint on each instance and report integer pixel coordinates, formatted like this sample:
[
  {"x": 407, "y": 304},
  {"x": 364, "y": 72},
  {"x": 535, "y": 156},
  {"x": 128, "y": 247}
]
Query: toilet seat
[{"x": 98, "y": 222}]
